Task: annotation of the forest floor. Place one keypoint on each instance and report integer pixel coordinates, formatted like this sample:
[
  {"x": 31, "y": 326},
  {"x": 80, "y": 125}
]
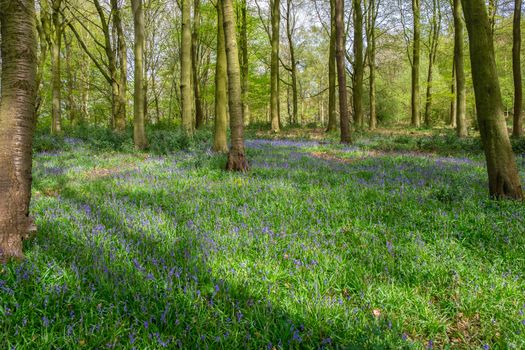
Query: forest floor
[{"x": 319, "y": 246}]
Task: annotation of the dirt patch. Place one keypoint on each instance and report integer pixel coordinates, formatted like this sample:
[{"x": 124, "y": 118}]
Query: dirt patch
[{"x": 334, "y": 157}]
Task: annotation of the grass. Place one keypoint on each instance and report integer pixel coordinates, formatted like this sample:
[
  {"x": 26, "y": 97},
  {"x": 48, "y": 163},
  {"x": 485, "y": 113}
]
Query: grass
[{"x": 319, "y": 246}]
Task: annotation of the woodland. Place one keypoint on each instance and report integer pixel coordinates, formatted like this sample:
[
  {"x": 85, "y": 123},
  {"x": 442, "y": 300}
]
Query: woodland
[{"x": 261, "y": 174}]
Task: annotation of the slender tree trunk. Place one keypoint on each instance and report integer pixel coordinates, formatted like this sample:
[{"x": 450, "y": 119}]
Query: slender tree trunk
[
  {"x": 139, "y": 134},
  {"x": 358, "y": 65},
  {"x": 186, "y": 70},
  {"x": 220, "y": 142},
  {"x": 236, "y": 157},
  {"x": 71, "y": 105},
  {"x": 123, "y": 67},
  {"x": 461, "y": 91},
  {"x": 118, "y": 78},
  {"x": 517, "y": 130},
  {"x": 293, "y": 63},
  {"x": 17, "y": 121},
  {"x": 434, "y": 42},
  {"x": 371, "y": 47},
  {"x": 199, "y": 114},
  {"x": 416, "y": 48},
  {"x": 274, "y": 83},
  {"x": 244, "y": 62},
  {"x": 504, "y": 179},
  {"x": 453, "y": 112},
  {"x": 332, "y": 75},
  {"x": 346, "y": 136},
  {"x": 56, "y": 43}
]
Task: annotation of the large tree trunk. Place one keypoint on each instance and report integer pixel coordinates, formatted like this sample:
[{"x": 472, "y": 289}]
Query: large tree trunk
[
  {"x": 274, "y": 74},
  {"x": 236, "y": 157},
  {"x": 243, "y": 40},
  {"x": 17, "y": 120},
  {"x": 346, "y": 136},
  {"x": 199, "y": 114},
  {"x": 504, "y": 180},
  {"x": 56, "y": 80},
  {"x": 220, "y": 142},
  {"x": 416, "y": 48},
  {"x": 186, "y": 70},
  {"x": 517, "y": 129},
  {"x": 461, "y": 92},
  {"x": 358, "y": 65},
  {"x": 139, "y": 134},
  {"x": 332, "y": 78}
]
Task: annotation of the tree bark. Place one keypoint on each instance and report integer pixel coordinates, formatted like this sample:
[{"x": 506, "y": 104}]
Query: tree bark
[
  {"x": 293, "y": 63},
  {"x": 453, "y": 113},
  {"x": 346, "y": 136},
  {"x": 220, "y": 142},
  {"x": 186, "y": 70},
  {"x": 122, "y": 82},
  {"x": 371, "y": 47},
  {"x": 432, "y": 54},
  {"x": 517, "y": 129},
  {"x": 274, "y": 74},
  {"x": 139, "y": 134},
  {"x": 332, "y": 78},
  {"x": 358, "y": 65},
  {"x": 461, "y": 93},
  {"x": 504, "y": 180},
  {"x": 56, "y": 80},
  {"x": 71, "y": 78},
  {"x": 17, "y": 121},
  {"x": 416, "y": 48},
  {"x": 244, "y": 62},
  {"x": 236, "y": 157},
  {"x": 199, "y": 114}
]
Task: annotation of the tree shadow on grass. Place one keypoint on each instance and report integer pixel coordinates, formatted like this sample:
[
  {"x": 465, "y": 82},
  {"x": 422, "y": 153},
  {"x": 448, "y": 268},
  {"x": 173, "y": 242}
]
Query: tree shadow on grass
[{"x": 129, "y": 286}]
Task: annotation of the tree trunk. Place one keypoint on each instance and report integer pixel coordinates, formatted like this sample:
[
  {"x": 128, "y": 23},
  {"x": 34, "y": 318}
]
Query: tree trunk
[
  {"x": 453, "y": 112},
  {"x": 346, "y": 136},
  {"x": 274, "y": 83},
  {"x": 199, "y": 115},
  {"x": 517, "y": 129},
  {"x": 434, "y": 41},
  {"x": 416, "y": 48},
  {"x": 293, "y": 63},
  {"x": 220, "y": 142},
  {"x": 243, "y": 40},
  {"x": 56, "y": 80},
  {"x": 122, "y": 83},
  {"x": 17, "y": 121},
  {"x": 371, "y": 47},
  {"x": 358, "y": 65},
  {"x": 139, "y": 134},
  {"x": 236, "y": 157},
  {"x": 71, "y": 105},
  {"x": 332, "y": 102},
  {"x": 461, "y": 92},
  {"x": 504, "y": 180},
  {"x": 186, "y": 70}
]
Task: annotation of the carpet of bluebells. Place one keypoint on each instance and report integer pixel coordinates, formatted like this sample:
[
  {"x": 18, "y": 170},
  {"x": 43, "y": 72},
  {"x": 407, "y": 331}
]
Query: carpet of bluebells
[{"x": 319, "y": 246}]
